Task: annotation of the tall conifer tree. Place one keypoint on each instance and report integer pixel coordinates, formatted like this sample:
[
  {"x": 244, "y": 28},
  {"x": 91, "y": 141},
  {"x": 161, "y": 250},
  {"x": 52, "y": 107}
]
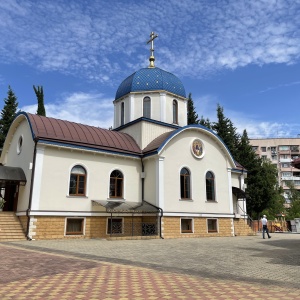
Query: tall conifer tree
[
  {"x": 205, "y": 122},
  {"x": 226, "y": 131},
  {"x": 192, "y": 116},
  {"x": 40, "y": 97},
  {"x": 8, "y": 114}
]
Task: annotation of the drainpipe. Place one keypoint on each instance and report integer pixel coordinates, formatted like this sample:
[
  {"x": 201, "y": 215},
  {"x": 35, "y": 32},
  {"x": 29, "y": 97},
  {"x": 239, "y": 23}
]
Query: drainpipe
[
  {"x": 240, "y": 186},
  {"x": 31, "y": 190}
]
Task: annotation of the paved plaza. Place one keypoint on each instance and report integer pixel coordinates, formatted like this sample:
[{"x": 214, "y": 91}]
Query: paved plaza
[{"x": 202, "y": 268}]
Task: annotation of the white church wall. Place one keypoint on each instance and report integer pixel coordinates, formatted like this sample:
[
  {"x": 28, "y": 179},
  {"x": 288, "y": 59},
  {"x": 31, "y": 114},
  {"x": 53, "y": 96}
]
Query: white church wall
[
  {"x": 56, "y": 173},
  {"x": 145, "y": 132},
  {"x": 135, "y": 130},
  {"x": 178, "y": 155},
  {"x": 182, "y": 110},
  {"x": 16, "y": 156},
  {"x": 150, "y": 180},
  {"x": 235, "y": 179}
]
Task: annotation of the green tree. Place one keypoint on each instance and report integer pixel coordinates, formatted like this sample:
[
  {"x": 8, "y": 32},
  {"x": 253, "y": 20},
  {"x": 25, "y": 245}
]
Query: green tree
[
  {"x": 226, "y": 131},
  {"x": 40, "y": 97},
  {"x": 294, "y": 195},
  {"x": 263, "y": 190},
  {"x": 245, "y": 154},
  {"x": 8, "y": 114},
  {"x": 205, "y": 122},
  {"x": 192, "y": 116}
]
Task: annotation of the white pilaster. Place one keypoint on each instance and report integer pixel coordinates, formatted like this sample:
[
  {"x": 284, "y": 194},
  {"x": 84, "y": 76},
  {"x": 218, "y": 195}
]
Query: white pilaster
[
  {"x": 131, "y": 108},
  {"x": 230, "y": 191},
  {"x": 115, "y": 115},
  {"x": 160, "y": 192},
  {"x": 38, "y": 174},
  {"x": 163, "y": 107}
]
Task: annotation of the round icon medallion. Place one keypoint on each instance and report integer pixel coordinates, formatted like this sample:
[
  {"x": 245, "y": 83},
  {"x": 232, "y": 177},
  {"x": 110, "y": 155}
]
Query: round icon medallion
[{"x": 197, "y": 148}]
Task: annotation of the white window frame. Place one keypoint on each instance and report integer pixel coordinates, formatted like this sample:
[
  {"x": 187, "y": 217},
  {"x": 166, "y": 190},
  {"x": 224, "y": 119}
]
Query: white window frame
[
  {"x": 192, "y": 224},
  {"x": 217, "y": 224}
]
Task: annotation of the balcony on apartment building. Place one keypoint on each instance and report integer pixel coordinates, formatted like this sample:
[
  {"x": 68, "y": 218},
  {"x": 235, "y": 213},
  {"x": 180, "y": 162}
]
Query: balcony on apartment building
[
  {"x": 294, "y": 149},
  {"x": 285, "y": 160},
  {"x": 290, "y": 177}
]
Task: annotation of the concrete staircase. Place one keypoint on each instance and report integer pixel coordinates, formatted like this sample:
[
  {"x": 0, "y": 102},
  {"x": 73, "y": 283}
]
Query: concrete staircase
[
  {"x": 241, "y": 228},
  {"x": 10, "y": 227}
]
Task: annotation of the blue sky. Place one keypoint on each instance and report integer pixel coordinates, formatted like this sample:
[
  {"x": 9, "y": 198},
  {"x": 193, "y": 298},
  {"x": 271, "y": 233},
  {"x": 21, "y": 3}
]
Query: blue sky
[{"x": 244, "y": 55}]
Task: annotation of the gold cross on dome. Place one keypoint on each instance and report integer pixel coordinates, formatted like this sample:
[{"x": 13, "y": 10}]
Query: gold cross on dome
[{"x": 151, "y": 58}]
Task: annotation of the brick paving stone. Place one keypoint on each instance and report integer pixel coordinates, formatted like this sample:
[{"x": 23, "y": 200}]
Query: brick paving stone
[{"x": 213, "y": 268}]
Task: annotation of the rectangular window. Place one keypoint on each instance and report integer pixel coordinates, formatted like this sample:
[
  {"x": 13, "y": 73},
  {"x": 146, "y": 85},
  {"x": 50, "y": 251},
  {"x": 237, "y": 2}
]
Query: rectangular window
[
  {"x": 186, "y": 225},
  {"x": 114, "y": 225},
  {"x": 212, "y": 225},
  {"x": 74, "y": 226},
  {"x": 263, "y": 149},
  {"x": 254, "y": 148},
  {"x": 284, "y": 148},
  {"x": 264, "y": 157},
  {"x": 285, "y": 165},
  {"x": 274, "y": 157},
  {"x": 295, "y": 148},
  {"x": 286, "y": 174}
]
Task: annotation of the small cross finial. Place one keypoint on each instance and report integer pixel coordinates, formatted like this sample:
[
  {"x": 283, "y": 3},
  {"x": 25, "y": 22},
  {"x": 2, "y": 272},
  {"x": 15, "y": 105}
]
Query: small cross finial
[{"x": 151, "y": 58}]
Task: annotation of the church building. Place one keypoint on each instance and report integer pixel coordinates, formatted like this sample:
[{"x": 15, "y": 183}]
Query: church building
[{"x": 151, "y": 176}]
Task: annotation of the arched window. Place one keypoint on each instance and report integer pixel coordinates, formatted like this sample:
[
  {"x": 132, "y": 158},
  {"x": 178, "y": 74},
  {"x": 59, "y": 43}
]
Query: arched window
[
  {"x": 185, "y": 191},
  {"x": 116, "y": 184},
  {"x": 147, "y": 107},
  {"x": 77, "y": 181},
  {"x": 122, "y": 113},
  {"x": 210, "y": 187},
  {"x": 175, "y": 112}
]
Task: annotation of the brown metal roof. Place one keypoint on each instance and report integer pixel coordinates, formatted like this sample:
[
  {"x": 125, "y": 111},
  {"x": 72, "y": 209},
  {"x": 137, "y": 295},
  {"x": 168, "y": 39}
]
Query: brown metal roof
[
  {"x": 81, "y": 135},
  {"x": 156, "y": 143}
]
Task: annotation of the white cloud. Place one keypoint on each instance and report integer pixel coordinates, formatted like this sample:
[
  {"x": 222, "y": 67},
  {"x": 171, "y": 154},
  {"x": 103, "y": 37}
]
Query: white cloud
[
  {"x": 84, "y": 108},
  {"x": 105, "y": 41},
  {"x": 206, "y": 106},
  {"x": 102, "y": 40}
]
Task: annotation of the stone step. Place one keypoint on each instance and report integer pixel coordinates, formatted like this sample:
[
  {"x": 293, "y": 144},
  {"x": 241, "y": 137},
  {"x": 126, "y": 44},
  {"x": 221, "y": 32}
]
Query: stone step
[{"x": 10, "y": 227}]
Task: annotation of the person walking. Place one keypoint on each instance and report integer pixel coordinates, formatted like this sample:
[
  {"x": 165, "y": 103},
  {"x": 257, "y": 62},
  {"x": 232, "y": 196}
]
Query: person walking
[{"x": 264, "y": 223}]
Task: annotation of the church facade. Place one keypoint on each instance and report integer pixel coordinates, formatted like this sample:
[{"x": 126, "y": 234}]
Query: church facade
[{"x": 151, "y": 176}]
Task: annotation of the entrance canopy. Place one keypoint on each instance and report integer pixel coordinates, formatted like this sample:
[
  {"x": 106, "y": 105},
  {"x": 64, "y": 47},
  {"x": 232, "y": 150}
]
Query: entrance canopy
[
  {"x": 238, "y": 193},
  {"x": 12, "y": 175},
  {"x": 119, "y": 206}
]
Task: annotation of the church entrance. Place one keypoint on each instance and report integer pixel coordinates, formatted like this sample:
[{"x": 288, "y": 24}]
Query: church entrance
[{"x": 10, "y": 180}]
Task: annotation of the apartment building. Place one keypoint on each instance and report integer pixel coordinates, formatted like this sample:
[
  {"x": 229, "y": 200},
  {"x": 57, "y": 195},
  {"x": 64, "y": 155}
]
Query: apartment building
[{"x": 281, "y": 152}]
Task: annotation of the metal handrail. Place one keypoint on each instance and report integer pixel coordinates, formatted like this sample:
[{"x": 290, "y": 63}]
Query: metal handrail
[{"x": 249, "y": 219}]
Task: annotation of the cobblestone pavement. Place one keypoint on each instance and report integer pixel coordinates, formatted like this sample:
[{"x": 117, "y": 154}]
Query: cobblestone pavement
[{"x": 202, "y": 268}]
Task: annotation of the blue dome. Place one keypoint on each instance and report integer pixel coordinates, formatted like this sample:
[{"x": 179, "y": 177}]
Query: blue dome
[{"x": 151, "y": 79}]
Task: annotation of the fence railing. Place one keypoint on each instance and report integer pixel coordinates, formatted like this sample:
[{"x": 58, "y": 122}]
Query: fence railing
[{"x": 117, "y": 229}]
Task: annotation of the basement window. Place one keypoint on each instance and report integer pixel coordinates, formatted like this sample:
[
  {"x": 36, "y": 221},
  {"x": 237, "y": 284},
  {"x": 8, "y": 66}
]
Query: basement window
[
  {"x": 115, "y": 226},
  {"x": 212, "y": 225},
  {"x": 186, "y": 225},
  {"x": 75, "y": 226}
]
